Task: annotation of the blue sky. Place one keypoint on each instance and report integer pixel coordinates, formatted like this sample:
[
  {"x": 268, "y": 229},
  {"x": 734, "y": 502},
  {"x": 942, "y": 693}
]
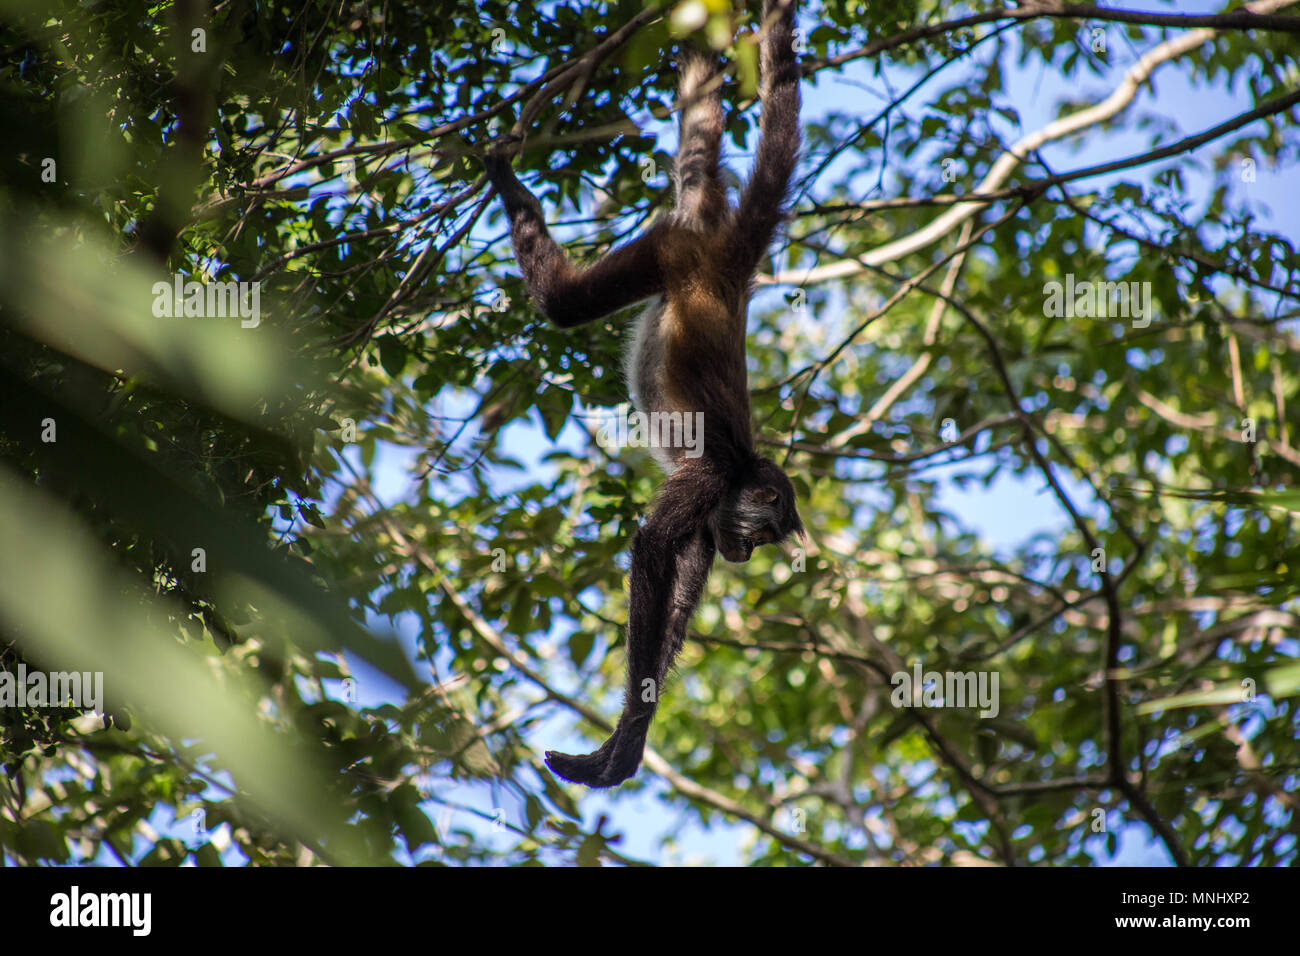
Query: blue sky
[{"x": 1005, "y": 514}]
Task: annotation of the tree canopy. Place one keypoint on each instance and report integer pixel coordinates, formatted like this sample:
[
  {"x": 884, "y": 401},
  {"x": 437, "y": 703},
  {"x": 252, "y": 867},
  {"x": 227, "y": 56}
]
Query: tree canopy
[{"x": 288, "y": 457}]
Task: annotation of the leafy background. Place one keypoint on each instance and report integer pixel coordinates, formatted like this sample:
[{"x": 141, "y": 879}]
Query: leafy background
[{"x": 410, "y": 554}]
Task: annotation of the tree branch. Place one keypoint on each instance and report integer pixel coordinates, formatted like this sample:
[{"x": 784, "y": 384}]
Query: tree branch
[{"x": 1122, "y": 96}]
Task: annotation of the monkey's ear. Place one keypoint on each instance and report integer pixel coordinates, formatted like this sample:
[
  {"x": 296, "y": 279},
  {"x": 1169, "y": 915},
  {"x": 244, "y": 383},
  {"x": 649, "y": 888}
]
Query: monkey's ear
[{"x": 764, "y": 495}]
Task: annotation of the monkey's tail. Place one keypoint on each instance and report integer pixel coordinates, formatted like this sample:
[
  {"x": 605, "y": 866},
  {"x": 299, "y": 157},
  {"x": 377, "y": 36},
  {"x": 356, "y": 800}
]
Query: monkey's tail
[{"x": 617, "y": 759}]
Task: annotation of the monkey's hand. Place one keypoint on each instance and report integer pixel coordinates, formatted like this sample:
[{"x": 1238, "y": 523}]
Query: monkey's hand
[
  {"x": 500, "y": 172},
  {"x": 497, "y": 160}
]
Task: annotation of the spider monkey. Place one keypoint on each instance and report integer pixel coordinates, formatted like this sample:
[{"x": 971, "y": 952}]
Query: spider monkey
[{"x": 697, "y": 266}]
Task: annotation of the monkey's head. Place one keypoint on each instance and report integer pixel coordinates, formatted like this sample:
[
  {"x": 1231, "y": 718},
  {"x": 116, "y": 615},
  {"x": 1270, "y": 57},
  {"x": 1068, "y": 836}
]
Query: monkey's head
[{"x": 758, "y": 509}]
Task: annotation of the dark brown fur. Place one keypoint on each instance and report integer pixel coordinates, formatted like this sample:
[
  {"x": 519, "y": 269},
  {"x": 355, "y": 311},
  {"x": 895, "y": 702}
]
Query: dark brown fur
[{"x": 689, "y": 358}]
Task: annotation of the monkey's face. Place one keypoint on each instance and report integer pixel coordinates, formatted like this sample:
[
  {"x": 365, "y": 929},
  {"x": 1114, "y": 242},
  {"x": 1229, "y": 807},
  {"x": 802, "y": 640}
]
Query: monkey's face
[{"x": 761, "y": 511}]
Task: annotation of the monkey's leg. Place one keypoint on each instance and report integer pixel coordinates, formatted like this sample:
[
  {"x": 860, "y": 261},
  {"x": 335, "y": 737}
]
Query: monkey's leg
[
  {"x": 569, "y": 295},
  {"x": 668, "y": 576}
]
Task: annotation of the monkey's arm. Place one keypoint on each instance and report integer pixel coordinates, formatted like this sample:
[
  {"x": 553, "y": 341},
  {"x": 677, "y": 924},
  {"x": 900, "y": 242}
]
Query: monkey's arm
[
  {"x": 569, "y": 295},
  {"x": 762, "y": 204},
  {"x": 671, "y": 558}
]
